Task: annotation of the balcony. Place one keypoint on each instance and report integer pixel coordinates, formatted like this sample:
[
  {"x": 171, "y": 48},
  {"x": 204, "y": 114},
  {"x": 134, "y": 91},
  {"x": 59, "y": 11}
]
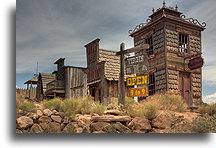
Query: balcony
[{"x": 55, "y": 88}]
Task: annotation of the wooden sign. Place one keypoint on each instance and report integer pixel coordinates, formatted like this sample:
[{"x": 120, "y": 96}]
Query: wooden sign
[
  {"x": 136, "y": 64},
  {"x": 138, "y": 92},
  {"x": 196, "y": 63},
  {"x": 140, "y": 80}
]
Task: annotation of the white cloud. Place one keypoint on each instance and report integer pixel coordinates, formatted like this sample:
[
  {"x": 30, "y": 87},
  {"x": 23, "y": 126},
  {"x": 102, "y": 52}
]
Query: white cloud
[
  {"x": 209, "y": 75},
  {"x": 210, "y": 98}
]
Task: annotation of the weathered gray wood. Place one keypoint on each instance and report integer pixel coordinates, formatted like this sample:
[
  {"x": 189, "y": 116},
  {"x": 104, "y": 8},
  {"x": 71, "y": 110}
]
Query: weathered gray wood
[
  {"x": 121, "y": 99},
  {"x": 135, "y": 49},
  {"x": 111, "y": 118}
]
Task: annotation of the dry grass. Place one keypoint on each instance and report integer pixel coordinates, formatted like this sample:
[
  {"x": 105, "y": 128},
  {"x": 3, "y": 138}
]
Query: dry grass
[{"x": 208, "y": 109}]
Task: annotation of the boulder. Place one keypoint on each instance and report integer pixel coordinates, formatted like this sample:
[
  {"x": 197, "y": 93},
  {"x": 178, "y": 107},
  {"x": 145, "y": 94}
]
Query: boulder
[
  {"x": 110, "y": 129},
  {"x": 56, "y": 118},
  {"x": 44, "y": 126},
  {"x": 98, "y": 132},
  {"x": 53, "y": 127},
  {"x": 140, "y": 123},
  {"x": 111, "y": 118},
  {"x": 18, "y": 131},
  {"x": 24, "y": 122},
  {"x": 113, "y": 112},
  {"x": 83, "y": 120},
  {"x": 67, "y": 120},
  {"x": 44, "y": 119},
  {"x": 47, "y": 112},
  {"x": 98, "y": 126},
  {"x": 163, "y": 120},
  {"x": 70, "y": 127},
  {"x": 121, "y": 128},
  {"x": 86, "y": 129},
  {"x": 78, "y": 130},
  {"x": 39, "y": 113},
  {"x": 36, "y": 128}
]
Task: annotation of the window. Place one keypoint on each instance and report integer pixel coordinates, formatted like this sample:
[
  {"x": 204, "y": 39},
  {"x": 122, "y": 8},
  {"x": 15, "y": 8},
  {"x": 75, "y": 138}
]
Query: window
[
  {"x": 151, "y": 84},
  {"x": 150, "y": 42},
  {"x": 183, "y": 43}
]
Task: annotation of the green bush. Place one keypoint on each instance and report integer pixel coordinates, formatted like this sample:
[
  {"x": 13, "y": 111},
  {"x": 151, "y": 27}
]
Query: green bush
[
  {"x": 27, "y": 106},
  {"x": 70, "y": 106},
  {"x": 205, "y": 124},
  {"x": 98, "y": 108},
  {"x": 149, "y": 111},
  {"x": 53, "y": 104},
  {"x": 208, "y": 109},
  {"x": 167, "y": 102},
  {"x": 85, "y": 106}
]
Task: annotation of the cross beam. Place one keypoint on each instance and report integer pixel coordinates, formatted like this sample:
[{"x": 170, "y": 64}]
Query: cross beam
[{"x": 135, "y": 49}]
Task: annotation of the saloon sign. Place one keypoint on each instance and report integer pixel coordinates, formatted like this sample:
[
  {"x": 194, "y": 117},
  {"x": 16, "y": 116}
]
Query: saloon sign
[{"x": 136, "y": 64}]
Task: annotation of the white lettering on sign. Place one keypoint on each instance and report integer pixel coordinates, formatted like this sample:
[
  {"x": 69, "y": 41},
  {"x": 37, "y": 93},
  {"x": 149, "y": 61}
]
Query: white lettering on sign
[{"x": 134, "y": 60}]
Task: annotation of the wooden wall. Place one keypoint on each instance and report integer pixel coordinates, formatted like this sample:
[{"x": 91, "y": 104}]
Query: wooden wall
[{"x": 75, "y": 82}]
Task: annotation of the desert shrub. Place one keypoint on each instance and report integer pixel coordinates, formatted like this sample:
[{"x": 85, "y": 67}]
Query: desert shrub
[
  {"x": 98, "y": 108},
  {"x": 208, "y": 109},
  {"x": 167, "y": 102},
  {"x": 204, "y": 124},
  {"x": 149, "y": 111},
  {"x": 85, "y": 106},
  {"x": 27, "y": 106},
  {"x": 70, "y": 106},
  {"x": 129, "y": 101},
  {"x": 53, "y": 104}
]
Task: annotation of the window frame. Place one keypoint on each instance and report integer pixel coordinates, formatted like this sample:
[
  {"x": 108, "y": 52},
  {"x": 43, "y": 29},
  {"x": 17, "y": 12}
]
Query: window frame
[
  {"x": 183, "y": 43},
  {"x": 149, "y": 40}
]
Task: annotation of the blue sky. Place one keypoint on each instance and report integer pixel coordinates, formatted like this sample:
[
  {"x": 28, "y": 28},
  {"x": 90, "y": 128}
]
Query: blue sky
[{"x": 49, "y": 29}]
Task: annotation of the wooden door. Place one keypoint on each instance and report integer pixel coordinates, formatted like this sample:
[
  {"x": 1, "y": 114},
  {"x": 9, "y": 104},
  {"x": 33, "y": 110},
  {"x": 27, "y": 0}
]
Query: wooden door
[{"x": 185, "y": 87}]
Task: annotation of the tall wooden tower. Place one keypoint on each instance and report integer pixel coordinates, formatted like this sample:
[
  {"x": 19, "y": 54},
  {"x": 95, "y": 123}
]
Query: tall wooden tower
[{"x": 174, "y": 55}]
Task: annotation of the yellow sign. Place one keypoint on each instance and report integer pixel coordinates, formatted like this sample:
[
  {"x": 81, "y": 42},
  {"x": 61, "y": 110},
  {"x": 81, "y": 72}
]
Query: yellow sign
[
  {"x": 138, "y": 92},
  {"x": 141, "y": 80}
]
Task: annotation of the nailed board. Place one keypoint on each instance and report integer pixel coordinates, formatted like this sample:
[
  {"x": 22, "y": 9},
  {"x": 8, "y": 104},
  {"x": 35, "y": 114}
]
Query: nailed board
[{"x": 138, "y": 92}]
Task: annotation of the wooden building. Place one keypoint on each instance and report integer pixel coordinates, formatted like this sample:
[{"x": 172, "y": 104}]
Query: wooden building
[
  {"x": 69, "y": 82},
  {"x": 103, "y": 67},
  {"x": 174, "y": 55}
]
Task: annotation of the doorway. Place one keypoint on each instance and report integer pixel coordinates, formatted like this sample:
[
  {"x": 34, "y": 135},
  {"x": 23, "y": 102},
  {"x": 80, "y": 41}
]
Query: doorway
[{"x": 185, "y": 87}]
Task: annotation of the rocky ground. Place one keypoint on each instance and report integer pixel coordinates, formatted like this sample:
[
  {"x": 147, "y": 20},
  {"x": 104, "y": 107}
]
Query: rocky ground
[{"x": 112, "y": 121}]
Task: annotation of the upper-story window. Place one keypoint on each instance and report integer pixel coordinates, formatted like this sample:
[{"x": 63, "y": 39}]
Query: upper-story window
[
  {"x": 150, "y": 42},
  {"x": 183, "y": 43}
]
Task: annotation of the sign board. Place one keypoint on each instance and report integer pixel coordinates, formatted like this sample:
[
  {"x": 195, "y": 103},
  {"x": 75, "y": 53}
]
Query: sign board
[
  {"x": 196, "y": 63},
  {"x": 136, "y": 64},
  {"x": 138, "y": 92},
  {"x": 140, "y": 80}
]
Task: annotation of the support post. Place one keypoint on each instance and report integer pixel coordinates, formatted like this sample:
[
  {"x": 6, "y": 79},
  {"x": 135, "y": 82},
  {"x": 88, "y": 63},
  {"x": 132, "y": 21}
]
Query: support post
[{"x": 121, "y": 76}]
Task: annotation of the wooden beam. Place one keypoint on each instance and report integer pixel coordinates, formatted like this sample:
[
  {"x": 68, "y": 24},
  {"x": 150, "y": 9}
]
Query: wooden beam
[
  {"x": 121, "y": 77},
  {"x": 135, "y": 49}
]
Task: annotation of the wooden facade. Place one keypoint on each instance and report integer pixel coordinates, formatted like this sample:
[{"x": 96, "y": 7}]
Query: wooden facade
[
  {"x": 174, "y": 41},
  {"x": 103, "y": 67},
  {"x": 70, "y": 82}
]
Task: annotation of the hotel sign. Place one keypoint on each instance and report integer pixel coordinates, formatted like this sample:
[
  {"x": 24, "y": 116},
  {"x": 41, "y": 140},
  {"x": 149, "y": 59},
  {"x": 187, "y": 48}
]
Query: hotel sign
[{"x": 136, "y": 64}]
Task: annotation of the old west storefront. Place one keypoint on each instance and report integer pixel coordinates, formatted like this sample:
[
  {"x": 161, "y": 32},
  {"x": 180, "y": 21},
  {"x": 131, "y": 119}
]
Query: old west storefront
[
  {"x": 174, "y": 56},
  {"x": 103, "y": 67}
]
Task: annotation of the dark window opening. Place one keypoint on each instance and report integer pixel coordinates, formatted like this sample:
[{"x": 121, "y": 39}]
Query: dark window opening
[
  {"x": 151, "y": 87},
  {"x": 150, "y": 42},
  {"x": 183, "y": 43}
]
